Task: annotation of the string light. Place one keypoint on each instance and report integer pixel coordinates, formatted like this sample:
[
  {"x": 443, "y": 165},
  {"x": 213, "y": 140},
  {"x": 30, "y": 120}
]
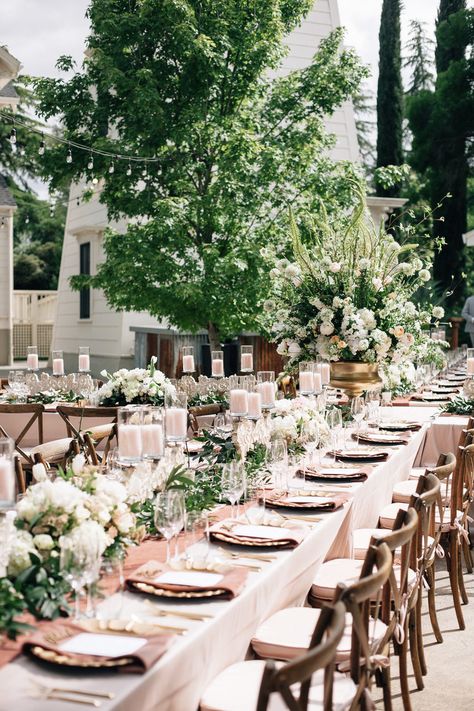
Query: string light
[
  {"x": 69, "y": 156},
  {"x": 95, "y": 180},
  {"x": 90, "y": 165},
  {"x": 111, "y": 169},
  {"x": 42, "y": 146},
  {"x": 129, "y": 170},
  {"x": 13, "y": 136},
  {"x": 22, "y": 151},
  {"x": 27, "y": 220}
]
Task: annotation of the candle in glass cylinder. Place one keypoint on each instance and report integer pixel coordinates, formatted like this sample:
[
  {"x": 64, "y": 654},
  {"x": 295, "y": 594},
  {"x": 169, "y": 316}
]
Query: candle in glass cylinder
[
  {"x": 239, "y": 402},
  {"x": 217, "y": 368},
  {"x": 267, "y": 391},
  {"x": 176, "y": 423},
  {"x": 58, "y": 366},
  {"x": 153, "y": 441},
  {"x": 325, "y": 373},
  {"x": 470, "y": 366},
  {"x": 84, "y": 363},
  {"x": 130, "y": 442},
  {"x": 254, "y": 405},
  {"x": 32, "y": 361},
  {"x": 188, "y": 364},
  {"x": 306, "y": 381},
  {"x": 318, "y": 385},
  {"x": 246, "y": 362},
  {"x": 7, "y": 482}
]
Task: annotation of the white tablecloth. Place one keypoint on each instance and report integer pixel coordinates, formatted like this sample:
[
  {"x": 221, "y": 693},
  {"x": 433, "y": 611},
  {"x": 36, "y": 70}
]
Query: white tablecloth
[{"x": 176, "y": 682}]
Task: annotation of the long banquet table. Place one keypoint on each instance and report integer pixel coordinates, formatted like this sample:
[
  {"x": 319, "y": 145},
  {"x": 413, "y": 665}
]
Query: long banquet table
[{"x": 176, "y": 681}]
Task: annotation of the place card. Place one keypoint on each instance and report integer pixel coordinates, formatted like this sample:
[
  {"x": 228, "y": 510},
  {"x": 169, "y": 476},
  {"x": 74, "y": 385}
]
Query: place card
[
  {"x": 189, "y": 579},
  {"x": 102, "y": 645},
  {"x": 272, "y": 533}
]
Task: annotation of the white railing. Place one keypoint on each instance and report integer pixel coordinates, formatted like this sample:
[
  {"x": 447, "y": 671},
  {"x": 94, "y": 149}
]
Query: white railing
[{"x": 34, "y": 306}]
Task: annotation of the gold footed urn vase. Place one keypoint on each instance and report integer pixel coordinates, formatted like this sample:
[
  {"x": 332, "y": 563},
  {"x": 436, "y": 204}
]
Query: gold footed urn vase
[{"x": 355, "y": 378}]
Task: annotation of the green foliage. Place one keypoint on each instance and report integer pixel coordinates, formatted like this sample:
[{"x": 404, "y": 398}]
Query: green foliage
[
  {"x": 12, "y": 604},
  {"x": 419, "y": 61},
  {"x": 389, "y": 92},
  {"x": 459, "y": 406},
  {"x": 43, "y": 588},
  {"x": 187, "y": 83}
]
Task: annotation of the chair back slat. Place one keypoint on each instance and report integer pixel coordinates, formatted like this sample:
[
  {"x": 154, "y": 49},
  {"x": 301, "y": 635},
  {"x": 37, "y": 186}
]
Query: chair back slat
[{"x": 36, "y": 411}]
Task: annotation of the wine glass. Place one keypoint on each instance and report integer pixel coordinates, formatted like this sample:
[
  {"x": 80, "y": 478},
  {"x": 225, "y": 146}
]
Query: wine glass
[
  {"x": 358, "y": 412},
  {"x": 169, "y": 516},
  {"x": 233, "y": 483},
  {"x": 334, "y": 421},
  {"x": 221, "y": 425},
  {"x": 73, "y": 564},
  {"x": 277, "y": 460},
  {"x": 311, "y": 436}
]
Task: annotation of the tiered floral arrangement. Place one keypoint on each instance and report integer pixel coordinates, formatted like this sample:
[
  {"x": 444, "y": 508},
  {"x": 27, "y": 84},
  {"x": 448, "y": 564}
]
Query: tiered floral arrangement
[
  {"x": 348, "y": 294},
  {"x": 138, "y": 386}
]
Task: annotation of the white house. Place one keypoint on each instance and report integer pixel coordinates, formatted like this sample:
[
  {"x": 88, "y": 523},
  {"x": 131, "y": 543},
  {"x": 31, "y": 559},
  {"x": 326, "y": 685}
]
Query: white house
[
  {"x": 9, "y": 68},
  {"x": 86, "y": 319}
]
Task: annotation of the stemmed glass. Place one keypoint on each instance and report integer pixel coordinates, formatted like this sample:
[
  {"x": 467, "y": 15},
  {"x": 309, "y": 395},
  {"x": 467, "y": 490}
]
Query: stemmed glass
[
  {"x": 334, "y": 421},
  {"x": 233, "y": 484},
  {"x": 358, "y": 412},
  {"x": 169, "y": 516},
  {"x": 74, "y": 563},
  {"x": 277, "y": 460},
  {"x": 312, "y": 436}
]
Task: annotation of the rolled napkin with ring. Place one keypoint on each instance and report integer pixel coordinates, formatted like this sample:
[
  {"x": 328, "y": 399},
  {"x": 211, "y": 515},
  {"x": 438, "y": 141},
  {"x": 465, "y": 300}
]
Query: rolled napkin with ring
[
  {"x": 305, "y": 500},
  {"x": 215, "y": 581},
  {"x": 68, "y": 645},
  {"x": 335, "y": 474},
  {"x": 240, "y": 533}
]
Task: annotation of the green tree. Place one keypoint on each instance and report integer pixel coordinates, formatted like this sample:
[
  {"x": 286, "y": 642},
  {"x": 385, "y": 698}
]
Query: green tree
[
  {"x": 419, "y": 58},
  {"x": 442, "y": 122},
  {"x": 188, "y": 83},
  {"x": 389, "y": 93},
  {"x": 364, "y": 110}
]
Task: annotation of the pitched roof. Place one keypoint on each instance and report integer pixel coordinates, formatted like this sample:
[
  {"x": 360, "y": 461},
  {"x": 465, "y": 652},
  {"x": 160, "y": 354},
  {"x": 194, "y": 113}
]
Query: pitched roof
[
  {"x": 9, "y": 91},
  {"x": 6, "y": 198}
]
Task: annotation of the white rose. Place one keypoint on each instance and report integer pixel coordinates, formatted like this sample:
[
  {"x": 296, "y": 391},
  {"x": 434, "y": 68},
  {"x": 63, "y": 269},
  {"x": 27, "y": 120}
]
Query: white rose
[
  {"x": 39, "y": 472},
  {"x": 294, "y": 349},
  {"x": 326, "y": 328},
  {"x": 43, "y": 542},
  {"x": 124, "y": 522},
  {"x": 438, "y": 312},
  {"x": 78, "y": 464},
  {"x": 424, "y": 275}
]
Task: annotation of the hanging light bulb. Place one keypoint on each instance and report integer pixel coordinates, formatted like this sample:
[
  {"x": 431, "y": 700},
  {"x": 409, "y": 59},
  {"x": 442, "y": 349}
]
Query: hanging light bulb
[
  {"x": 13, "y": 136},
  {"x": 69, "y": 156},
  {"x": 22, "y": 151},
  {"x": 42, "y": 146},
  {"x": 27, "y": 220},
  {"x": 95, "y": 181},
  {"x": 129, "y": 170},
  {"x": 111, "y": 169},
  {"x": 90, "y": 165}
]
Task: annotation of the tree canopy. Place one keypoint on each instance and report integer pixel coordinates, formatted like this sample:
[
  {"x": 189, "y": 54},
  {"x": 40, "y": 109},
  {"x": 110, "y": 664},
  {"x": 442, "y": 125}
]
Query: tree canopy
[{"x": 191, "y": 85}]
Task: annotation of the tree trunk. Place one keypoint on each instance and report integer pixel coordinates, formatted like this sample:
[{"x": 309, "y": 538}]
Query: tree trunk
[{"x": 213, "y": 334}]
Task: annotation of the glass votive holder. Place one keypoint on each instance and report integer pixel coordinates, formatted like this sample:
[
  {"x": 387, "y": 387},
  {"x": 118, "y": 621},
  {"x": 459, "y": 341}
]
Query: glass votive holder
[
  {"x": 254, "y": 404},
  {"x": 217, "y": 364},
  {"x": 84, "y": 364},
  {"x": 325, "y": 373},
  {"x": 470, "y": 361},
  {"x": 176, "y": 417},
  {"x": 153, "y": 432},
  {"x": 318, "y": 382},
  {"x": 7, "y": 473},
  {"x": 129, "y": 428},
  {"x": 239, "y": 402},
  {"x": 57, "y": 362},
  {"x": 306, "y": 378},
  {"x": 246, "y": 359},
  {"x": 189, "y": 365},
  {"x": 32, "y": 360},
  {"x": 266, "y": 388}
]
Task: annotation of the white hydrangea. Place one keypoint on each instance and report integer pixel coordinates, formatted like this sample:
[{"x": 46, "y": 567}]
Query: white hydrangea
[
  {"x": 21, "y": 547},
  {"x": 438, "y": 312}
]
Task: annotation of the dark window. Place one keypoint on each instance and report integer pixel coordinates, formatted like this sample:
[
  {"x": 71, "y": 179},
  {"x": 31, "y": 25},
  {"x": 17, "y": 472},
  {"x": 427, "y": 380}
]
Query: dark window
[{"x": 85, "y": 268}]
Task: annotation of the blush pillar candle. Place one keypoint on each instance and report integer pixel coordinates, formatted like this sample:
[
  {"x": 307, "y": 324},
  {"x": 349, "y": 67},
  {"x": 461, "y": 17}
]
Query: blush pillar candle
[
  {"x": 470, "y": 361},
  {"x": 7, "y": 473},
  {"x": 266, "y": 388},
  {"x": 130, "y": 443},
  {"x": 254, "y": 405},
  {"x": 239, "y": 404},
  {"x": 246, "y": 359},
  {"x": 58, "y": 363},
  {"x": 84, "y": 359},
  {"x": 153, "y": 432},
  {"x": 217, "y": 364},
  {"x": 318, "y": 385},
  {"x": 32, "y": 361},
  {"x": 306, "y": 378},
  {"x": 325, "y": 373},
  {"x": 176, "y": 424},
  {"x": 188, "y": 359}
]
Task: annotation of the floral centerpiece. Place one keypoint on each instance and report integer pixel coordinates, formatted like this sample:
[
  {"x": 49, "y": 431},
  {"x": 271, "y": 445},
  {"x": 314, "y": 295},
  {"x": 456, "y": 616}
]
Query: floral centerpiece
[
  {"x": 298, "y": 422},
  {"x": 138, "y": 386},
  {"x": 348, "y": 294}
]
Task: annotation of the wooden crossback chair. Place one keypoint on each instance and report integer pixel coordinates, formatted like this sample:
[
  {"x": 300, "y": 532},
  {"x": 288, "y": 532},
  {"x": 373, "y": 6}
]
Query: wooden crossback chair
[
  {"x": 197, "y": 411},
  {"x": 75, "y": 419},
  {"x": 35, "y": 410}
]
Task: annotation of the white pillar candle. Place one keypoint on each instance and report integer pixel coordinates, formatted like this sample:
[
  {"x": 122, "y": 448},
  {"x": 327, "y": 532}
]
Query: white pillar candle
[
  {"x": 217, "y": 367},
  {"x": 58, "y": 366},
  {"x": 325, "y": 373},
  {"x": 246, "y": 362},
  {"x": 188, "y": 364},
  {"x": 153, "y": 440},
  {"x": 176, "y": 423},
  {"x": 7, "y": 481},
  {"x": 255, "y": 404},
  {"x": 32, "y": 361},
  {"x": 470, "y": 366},
  {"x": 84, "y": 363},
  {"x": 267, "y": 391},
  {"x": 306, "y": 381},
  {"x": 318, "y": 385},
  {"x": 130, "y": 442},
  {"x": 239, "y": 404}
]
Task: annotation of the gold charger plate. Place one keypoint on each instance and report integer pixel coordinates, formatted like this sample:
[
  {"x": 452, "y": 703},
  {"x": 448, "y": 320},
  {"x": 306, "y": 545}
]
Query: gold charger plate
[
  {"x": 381, "y": 438},
  {"x": 159, "y": 592},
  {"x": 256, "y": 542},
  {"x": 48, "y": 655}
]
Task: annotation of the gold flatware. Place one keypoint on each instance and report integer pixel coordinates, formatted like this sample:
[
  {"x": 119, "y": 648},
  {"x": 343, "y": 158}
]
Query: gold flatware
[
  {"x": 68, "y": 690},
  {"x": 303, "y": 518},
  {"x": 255, "y": 556},
  {"x": 54, "y": 696},
  {"x": 198, "y": 617},
  {"x": 250, "y": 566}
]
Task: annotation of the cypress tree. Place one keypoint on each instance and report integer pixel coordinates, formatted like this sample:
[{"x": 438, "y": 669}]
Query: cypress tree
[{"x": 389, "y": 92}]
